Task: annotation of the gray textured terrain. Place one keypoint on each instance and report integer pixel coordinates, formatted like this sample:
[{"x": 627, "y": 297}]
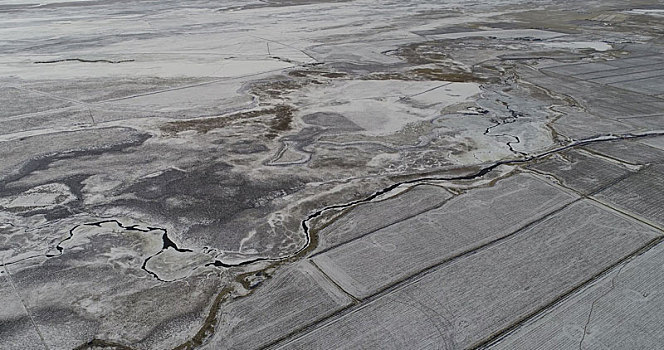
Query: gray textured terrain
[{"x": 312, "y": 174}]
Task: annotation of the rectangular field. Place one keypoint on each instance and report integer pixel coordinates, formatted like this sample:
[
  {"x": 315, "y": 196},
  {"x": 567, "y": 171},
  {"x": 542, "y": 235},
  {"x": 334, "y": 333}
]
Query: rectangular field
[
  {"x": 581, "y": 171},
  {"x": 294, "y": 298},
  {"x": 640, "y": 194},
  {"x": 366, "y": 265},
  {"x": 621, "y": 310},
  {"x": 465, "y": 302},
  {"x": 368, "y": 217}
]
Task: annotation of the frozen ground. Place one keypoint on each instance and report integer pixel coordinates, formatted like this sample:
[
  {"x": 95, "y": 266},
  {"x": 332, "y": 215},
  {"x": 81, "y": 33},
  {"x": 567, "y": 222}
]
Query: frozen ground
[{"x": 331, "y": 174}]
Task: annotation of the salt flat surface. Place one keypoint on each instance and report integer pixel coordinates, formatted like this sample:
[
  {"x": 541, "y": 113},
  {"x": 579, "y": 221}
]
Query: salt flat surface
[
  {"x": 19, "y": 334},
  {"x": 595, "y": 45},
  {"x": 502, "y": 34},
  {"x": 242, "y": 174},
  {"x": 381, "y": 107}
]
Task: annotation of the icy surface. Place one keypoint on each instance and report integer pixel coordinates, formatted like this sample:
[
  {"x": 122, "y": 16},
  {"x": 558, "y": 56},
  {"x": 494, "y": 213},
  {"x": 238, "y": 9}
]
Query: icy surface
[{"x": 247, "y": 174}]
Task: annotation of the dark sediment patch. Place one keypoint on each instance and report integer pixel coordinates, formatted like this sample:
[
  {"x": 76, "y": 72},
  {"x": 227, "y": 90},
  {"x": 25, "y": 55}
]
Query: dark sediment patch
[
  {"x": 276, "y": 88},
  {"x": 429, "y": 74},
  {"x": 247, "y": 147},
  {"x": 282, "y": 117},
  {"x": 40, "y": 156},
  {"x": 317, "y": 73},
  {"x": 329, "y": 120},
  {"x": 223, "y": 204},
  {"x": 83, "y": 60}
]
